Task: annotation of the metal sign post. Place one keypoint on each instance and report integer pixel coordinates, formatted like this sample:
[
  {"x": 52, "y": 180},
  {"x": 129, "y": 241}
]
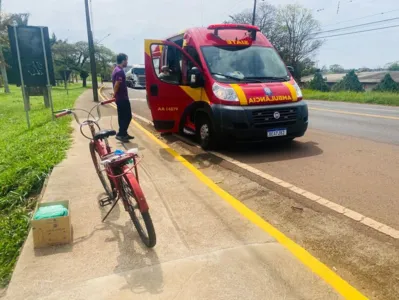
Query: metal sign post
[
  {"x": 47, "y": 74},
  {"x": 26, "y": 100}
]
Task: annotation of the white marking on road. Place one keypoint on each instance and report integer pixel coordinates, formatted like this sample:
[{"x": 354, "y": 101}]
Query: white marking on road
[
  {"x": 385, "y": 229},
  {"x": 394, "y": 109}
]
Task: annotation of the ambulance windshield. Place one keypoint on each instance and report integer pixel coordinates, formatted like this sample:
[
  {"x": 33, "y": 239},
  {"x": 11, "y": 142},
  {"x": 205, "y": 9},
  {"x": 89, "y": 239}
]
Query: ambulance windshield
[{"x": 239, "y": 63}]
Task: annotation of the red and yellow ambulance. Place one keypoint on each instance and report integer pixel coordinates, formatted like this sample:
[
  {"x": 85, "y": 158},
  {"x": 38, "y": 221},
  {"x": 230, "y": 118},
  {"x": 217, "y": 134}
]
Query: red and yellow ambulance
[{"x": 222, "y": 82}]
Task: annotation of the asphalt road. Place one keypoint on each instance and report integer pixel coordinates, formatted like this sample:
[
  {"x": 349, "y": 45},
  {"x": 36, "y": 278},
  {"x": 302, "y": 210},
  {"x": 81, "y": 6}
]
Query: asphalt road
[
  {"x": 349, "y": 155},
  {"x": 372, "y": 122}
]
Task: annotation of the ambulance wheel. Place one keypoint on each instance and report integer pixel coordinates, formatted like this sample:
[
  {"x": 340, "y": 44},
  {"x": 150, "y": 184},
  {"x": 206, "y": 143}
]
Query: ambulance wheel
[{"x": 205, "y": 133}]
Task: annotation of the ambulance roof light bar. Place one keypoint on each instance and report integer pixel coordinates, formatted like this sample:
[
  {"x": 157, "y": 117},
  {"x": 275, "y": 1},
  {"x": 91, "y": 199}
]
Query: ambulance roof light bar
[{"x": 250, "y": 28}]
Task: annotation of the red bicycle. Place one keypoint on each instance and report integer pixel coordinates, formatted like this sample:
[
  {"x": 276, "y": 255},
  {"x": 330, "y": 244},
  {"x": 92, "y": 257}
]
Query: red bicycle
[{"x": 117, "y": 177}]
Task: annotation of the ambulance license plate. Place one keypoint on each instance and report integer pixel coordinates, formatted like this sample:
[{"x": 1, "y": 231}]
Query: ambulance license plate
[{"x": 276, "y": 132}]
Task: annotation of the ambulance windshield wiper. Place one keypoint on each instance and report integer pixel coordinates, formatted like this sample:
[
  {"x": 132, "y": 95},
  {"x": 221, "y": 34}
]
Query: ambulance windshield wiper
[
  {"x": 245, "y": 79},
  {"x": 272, "y": 78}
]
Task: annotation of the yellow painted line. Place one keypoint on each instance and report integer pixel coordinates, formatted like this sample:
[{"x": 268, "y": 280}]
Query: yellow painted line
[
  {"x": 354, "y": 113},
  {"x": 240, "y": 94},
  {"x": 334, "y": 280},
  {"x": 292, "y": 91}
]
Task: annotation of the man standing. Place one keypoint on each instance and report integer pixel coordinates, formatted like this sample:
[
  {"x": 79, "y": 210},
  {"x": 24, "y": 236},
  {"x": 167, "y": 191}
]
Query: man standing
[{"x": 122, "y": 98}]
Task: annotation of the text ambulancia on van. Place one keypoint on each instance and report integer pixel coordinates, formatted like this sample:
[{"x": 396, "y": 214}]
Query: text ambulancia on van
[{"x": 224, "y": 81}]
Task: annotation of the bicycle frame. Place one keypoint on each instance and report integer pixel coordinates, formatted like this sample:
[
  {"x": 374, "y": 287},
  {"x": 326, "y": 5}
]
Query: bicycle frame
[
  {"x": 131, "y": 179},
  {"x": 124, "y": 183},
  {"x": 115, "y": 171}
]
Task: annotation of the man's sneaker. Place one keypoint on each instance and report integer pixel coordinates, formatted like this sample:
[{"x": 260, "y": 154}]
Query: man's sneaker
[
  {"x": 130, "y": 137},
  {"x": 123, "y": 139}
]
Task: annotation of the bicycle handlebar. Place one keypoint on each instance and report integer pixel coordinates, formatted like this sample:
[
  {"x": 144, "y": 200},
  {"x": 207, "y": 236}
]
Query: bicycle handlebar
[
  {"x": 60, "y": 114},
  {"x": 108, "y": 101},
  {"x": 64, "y": 112}
]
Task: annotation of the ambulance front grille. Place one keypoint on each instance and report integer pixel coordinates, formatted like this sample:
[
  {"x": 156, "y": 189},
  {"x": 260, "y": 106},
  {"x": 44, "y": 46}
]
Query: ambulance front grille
[{"x": 266, "y": 117}]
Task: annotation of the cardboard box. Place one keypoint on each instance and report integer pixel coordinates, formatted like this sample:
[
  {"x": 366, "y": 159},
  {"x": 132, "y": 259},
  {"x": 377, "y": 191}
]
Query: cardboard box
[{"x": 55, "y": 231}]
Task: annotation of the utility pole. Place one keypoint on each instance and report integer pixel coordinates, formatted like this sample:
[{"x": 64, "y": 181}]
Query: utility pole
[
  {"x": 91, "y": 51},
  {"x": 253, "y": 14}
]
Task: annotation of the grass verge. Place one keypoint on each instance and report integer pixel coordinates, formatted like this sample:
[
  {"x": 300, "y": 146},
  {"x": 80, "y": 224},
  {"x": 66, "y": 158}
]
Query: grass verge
[
  {"x": 383, "y": 98},
  {"x": 26, "y": 158}
]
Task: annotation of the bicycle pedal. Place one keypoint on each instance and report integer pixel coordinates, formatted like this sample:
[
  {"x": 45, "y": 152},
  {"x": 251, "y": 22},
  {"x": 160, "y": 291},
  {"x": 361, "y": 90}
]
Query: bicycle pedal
[{"x": 105, "y": 202}]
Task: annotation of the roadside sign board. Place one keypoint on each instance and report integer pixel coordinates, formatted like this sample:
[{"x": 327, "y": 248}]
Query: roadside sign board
[
  {"x": 31, "y": 52},
  {"x": 32, "y": 60}
]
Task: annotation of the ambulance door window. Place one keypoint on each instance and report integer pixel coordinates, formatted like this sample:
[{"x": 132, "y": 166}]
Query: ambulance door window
[{"x": 170, "y": 70}]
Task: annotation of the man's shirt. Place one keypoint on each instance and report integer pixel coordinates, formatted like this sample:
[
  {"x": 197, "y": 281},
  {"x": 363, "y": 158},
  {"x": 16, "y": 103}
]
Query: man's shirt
[{"x": 119, "y": 75}]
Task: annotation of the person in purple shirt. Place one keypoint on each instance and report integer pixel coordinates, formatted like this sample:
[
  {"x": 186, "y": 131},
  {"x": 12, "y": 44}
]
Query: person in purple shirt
[{"x": 122, "y": 98}]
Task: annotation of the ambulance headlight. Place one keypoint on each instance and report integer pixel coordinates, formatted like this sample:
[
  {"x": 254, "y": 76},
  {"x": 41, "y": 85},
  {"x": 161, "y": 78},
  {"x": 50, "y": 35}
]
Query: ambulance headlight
[
  {"x": 298, "y": 90},
  {"x": 224, "y": 92}
]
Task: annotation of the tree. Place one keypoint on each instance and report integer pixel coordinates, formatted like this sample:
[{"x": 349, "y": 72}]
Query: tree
[
  {"x": 5, "y": 20},
  {"x": 84, "y": 74},
  {"x": 365, "y": 69},
  {"x": 307, "y": 67},
  {"x": 291, "y": 31},
  {"x": 387, "y": 84},
  {"x": 104, "y": 59},
  {"x": 393, "y": 66},
  {"x": 296, "y": 26},
  {"x": 337, "y": 69},
  {"x": 76, "y": 58},
  {"x": 349, "y": 83},
  {"x": 318, "y": 83},
  {"x": 265, "y": 19}
]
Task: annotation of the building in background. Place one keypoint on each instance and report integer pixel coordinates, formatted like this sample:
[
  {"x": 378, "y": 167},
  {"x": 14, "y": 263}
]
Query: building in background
[{"x": 369, "y": 80}]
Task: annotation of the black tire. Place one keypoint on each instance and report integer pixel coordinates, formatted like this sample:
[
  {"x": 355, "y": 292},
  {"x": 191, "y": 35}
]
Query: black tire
[
  {"x": 205, "y": 133},
  {"x": 147, "y": 235},
  {"x": 106, "y": 182}
]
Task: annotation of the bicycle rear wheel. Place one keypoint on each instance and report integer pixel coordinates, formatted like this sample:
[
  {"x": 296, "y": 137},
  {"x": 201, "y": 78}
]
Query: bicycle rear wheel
[
  {"x": 141, "y": 220},
  {"x": 106, "y": 182}
]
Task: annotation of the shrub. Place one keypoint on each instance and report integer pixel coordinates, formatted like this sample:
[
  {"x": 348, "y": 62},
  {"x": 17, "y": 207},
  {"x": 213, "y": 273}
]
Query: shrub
[
  {"x": 349, "y": 83},
  {"x": 387, "y": 84},
  {"x": 318, "y": 83}
]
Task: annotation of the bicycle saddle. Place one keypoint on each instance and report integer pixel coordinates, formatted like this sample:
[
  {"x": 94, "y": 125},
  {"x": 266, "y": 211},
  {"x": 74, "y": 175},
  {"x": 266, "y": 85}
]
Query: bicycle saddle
[{"x": 104, "y": 134}]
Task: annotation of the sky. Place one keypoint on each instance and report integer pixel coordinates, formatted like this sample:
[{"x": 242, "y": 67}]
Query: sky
[{"x": 129, "y": 22}]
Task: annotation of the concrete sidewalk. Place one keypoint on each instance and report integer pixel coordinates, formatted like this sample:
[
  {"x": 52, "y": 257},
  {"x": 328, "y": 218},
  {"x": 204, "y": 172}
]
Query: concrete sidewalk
[{"x": 205, "y": 249}]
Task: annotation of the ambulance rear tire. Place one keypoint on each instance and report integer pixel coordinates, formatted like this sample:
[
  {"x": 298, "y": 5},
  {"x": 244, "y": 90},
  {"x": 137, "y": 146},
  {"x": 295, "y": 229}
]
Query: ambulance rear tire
[{"x": 205, "y": 133}]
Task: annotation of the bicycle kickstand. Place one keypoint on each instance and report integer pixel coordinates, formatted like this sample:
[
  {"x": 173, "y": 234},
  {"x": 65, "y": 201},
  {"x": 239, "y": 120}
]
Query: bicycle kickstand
[{"x": 113, "y": 206}]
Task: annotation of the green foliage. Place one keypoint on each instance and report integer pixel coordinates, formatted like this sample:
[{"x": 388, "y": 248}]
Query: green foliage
[
  {"x": 393, "y": 66},
  {"x": 76, "y": 57},
  {"x": 337, "y": 69},
  {"x": 318, "y": 83},
  {"x": 84, "y": 74},
  {"x": 10, "y": 19},
  {"x": 387, "y": 84},
  {"x": 26, "y": 157},
  {"x": 349, "y": 83},
  {"x": 13, "y": 231},
  {"x": 384, "y": 98}
]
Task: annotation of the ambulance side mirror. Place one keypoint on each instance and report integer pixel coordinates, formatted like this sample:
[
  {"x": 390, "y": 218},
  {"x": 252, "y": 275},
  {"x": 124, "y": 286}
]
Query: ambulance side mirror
[
  {"x": 195, "y": 78},
  {"x": 291, "y": 69}
]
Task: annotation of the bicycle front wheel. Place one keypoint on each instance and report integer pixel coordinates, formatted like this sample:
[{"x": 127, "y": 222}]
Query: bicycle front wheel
[
  {"x": 106, "y": 182},
  {"x": 141, "y": 219}
]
